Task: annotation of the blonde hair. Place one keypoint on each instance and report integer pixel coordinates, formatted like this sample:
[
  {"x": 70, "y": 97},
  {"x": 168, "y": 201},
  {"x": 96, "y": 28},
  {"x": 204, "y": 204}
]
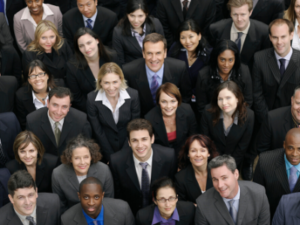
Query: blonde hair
[
  {"x": 41, "y": 28},
  {"x": 110, "y": 68},
  {"x": 290, "y": 14}
]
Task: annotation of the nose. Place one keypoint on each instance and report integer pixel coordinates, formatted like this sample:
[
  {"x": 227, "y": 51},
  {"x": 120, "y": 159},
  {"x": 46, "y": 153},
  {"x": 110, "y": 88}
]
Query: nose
[
  {"x": 26, "y": 200},
  {"x": 27, "y": 154},
  {"x": 34, "y": 4},
  {"x": 167, "y": 203},
  {"x": 91, "y": 201},
  {"x": 85, "y": 8},
  {"x": 220, "y": 184},
  {"x": 81, "y": 160}
]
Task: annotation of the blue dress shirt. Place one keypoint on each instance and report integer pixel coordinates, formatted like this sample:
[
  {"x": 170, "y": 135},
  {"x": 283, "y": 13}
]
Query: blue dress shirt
[
  {"x": 159, "y": 73},
  {"x": 288, "y": 165},
  {"x": 158, "y": 219},
  {"x": 99, "y": 219}
]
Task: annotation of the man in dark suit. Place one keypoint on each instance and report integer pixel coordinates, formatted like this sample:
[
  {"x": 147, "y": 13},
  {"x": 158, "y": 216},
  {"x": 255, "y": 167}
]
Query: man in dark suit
[
  {"x": 101, "y": 20},
  {"x": 58, "y": 123},
  {"x": 250, "y": 35},
  {"x": 135, "y": 168},
  {"x": 278, "y": 170},
  {"x": 9, "y": 129},
  {"x": 172, "y": 13},
  {"x": 146, "y": 75},
  {"x": 231, "y": 201},
  {"x": 93, "y": 207},
  {"x": 276, "y": 71},
  {"x": 27, "y": 206},
  {"x": 8, "y": 88}
]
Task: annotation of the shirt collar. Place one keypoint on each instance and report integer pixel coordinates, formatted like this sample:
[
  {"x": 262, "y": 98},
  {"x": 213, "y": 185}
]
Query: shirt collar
[
  {"x": 287, "y": 57},
  {"x": 93, "y": 18},
  {"x": 229, "y": 77},
  {"x": 235, "y": 119},
  {"x": 101, "y": 96},
  {"x": 288, "y": 165},
  {"x": 133, "y": 31},
  {"x": 149, "y": 161},
  {"x": 47, "y": 12},
  {"x": 53, "y": 122},
  {"x": 159, "y": 73},
  {"x": 158, "y": 219},
  {"x": 237, "y": 197},
  {"x": 235, "y": 30},
  {"x": 99, "y": 218},
  {"x": 23, "y": 218},
  {"x": 34, "y": 98}
]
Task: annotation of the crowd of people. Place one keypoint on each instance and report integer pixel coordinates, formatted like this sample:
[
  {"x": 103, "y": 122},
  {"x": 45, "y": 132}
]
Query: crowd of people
[{"x": 149, "y": 112}]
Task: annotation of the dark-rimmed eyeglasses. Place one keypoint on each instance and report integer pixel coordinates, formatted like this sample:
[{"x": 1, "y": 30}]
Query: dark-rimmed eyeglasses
[
  {"x": 163, "y": 200},
  {"x": 32, "y": 77}
]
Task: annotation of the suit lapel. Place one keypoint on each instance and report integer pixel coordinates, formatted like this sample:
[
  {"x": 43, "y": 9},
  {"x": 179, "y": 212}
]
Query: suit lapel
[
  {"x": 40, "y": 171},
  {"x": 73, "y": 178},
  {"x": 167, "y": 77},
  {"x": 156, "y": 166},
  {"x": 192, "y": 183},
  {"x": 67, "y": 127},
  {"x": 28, "y": 101},
  {"x": 98, "y": 22},
  {"x": 219, "y": 130},
  {"x": 107, "y": 115},
  {"x": 14, "y": 219},
  {"x": 41, "y": 215},
  {"x": 222, "y": 209},
  {"x": 261, "y": 4},
  {"x": 249, "y": 44},
  {"x": 281, "y": 174},
  {"x": 160, "y": 128},
  {"x": 178, "y": 9},
  {"x": 109, "y": 216},
  {"x": 180, "y": 126},
  {"x": 274, "y": 66},
  {"x": 90, "y": 77},
  {"x": 29, "y": 28},
  {"x": 244, "y": 197},
  {"x": 131, "y": 172},
  {"x": 290, "y": 69},
  {"x": 79, "y": 218},
  {"x": 193, "y": 5},
  {"x": 46, "y": 126},
  {"x": 143, "y": 84}
]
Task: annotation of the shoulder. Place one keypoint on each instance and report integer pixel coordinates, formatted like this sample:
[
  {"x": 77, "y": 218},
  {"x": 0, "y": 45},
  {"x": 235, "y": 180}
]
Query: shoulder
[
  {"x": 293, "y": 197},
  {"x": 185, "y": 109},
  {"x": 77, "y": 113},
  {"x": 252, "y": 187},
  {"x": 35, "y": 115},
  {"x": 12, "y": 166},
  {"x": 105, "y": 13},
  {"x": 71, "y": 13},
  {"x": 8, "y": 117},
  {"x": 259, "y": 26},
  {"x": 117, "y": 204},
  {"x": 250, "y": 113},
  {"x": 205, "y": 199},
  {"x": 265, "y": 158},
  {"x": 53, "y": 8},
  {"x": 260, "y": 56},
  {"x": 121, "y": 155},
  {"x": 18, "y": 15},
  {"x": 132, "y": 92},
  {"x": 49, "y": 200},
  {"x": 165, "y": 152},
  {"x": 296, "y": 53},
  {"x": 220, "y": 24},
  {"x": 153, "y": 113},
  {"x": 50, "y": 160},
  {"x": 8, "y": 81},
  {"x": 23, "y": 91},
  {"x": 92, "y": 96},
  {"x": 118, "y": 30},
  {"x": 174, "y": 64},
  {"x": 278, "y": 113},
  {"x": 71, "y": 212},
  {"x": 134, "y": 65},
  {"x": 5, "y": 211},
  {"x": 155, "y": 21},
  {"x": 181, "y": 175},
  {"x": 62, "y": 170},
  {"x": 205, "y": 72},
  {"x": 146, "y": 212},
  {"x": 184, "y": 207},
  {"x": 99, "y": 166}
]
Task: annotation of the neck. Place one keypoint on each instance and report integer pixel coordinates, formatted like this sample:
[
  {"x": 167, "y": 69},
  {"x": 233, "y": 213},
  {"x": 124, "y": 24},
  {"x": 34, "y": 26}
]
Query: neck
[
  {"x": 298, "y": 19},
  {"x": 93, "y": 59},
  {"x": 166, "y": 217},
  {"x": 113, "y": 98},
  {"x": 191, "y": 54},
  {"x": 228, "y": 115},
  {"x": 224, "y": 76},
  {"x": 42, "y": 92},
  {"x": 286, "y": 53},
  {"x": 171, "y": 117},
  {"x": 48, "y": 50},
  {"x": 200, "y": 169}
]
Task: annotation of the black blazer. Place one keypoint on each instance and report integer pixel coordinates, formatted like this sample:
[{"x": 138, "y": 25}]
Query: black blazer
[
  {"x": 125, "y": 178},
  {"x": 75, "y": 123},
  {"x": 111, "y": 136},
  {"x": 169, "y": 12},
  {"x": 187, "y": 186},
  {"x": 64, "y": 6},
  {"x": 207, "y": 82},
  {"x": 8, "y": 88},
  {"x": 127, "y": 47},
  {"x": 257, "y": 38},
  {"x": 5, "y": 35},
  {"x": 43, "y": 171},
  {"x": 4, "y": 176},
  {"x": 269, "y": 90},
  {"x": 12, "y": 7},
  {"x": 186, "y": 212},
  {"x": 271, "y": 173},
  {"x": 174, "y": 72},
  {"x": 186, "y": 125},
  {"x": 105, "y": 22},
  {"x": 82, "y": 81},
  {"x": 237, "y": 141}
]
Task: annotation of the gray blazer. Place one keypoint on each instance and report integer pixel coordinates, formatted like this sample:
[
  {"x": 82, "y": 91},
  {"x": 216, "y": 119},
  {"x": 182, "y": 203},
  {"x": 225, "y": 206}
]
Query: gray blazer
[
  {"x": 66, "y": 185},
  {"x": 24, "y": 30},
  {"x": 116, "y": 212},
  {"x": 253, "y": 207}
]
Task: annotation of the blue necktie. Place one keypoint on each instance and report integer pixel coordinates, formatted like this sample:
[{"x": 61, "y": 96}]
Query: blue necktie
[
  {"x": 89, "y": 23},
  {"x": 282, "y": 66},
  {"x": 2, "y": 6},
  {"x": 238, "y": 40},
  {"x": 145, "y": 184},
  {"x": 154, "y": 87},
  {"x": 232, "y": 211},
  {"x": 293, "y": 178}
]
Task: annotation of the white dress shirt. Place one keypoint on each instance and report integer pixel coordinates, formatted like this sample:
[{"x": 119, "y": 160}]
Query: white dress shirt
[
  {"x": 52, "y": 123},
  {"x": 188, "y": 4},
  {"x": 93, "y": 18},
  {"x": 139, "y": 168},
  {"x": 296, "y": 39},
  {"x": 37, "y": 103},
  {"x": 23, "y": 218},
  {"x": 287, "y": 58}
]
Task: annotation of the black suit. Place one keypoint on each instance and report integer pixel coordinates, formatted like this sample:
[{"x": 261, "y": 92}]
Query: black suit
[
  {"x": 271, "y": 173},
  {"x": 267, "y": 10},
  {"x": 110, "y": 136},
  {"x": 113, "y": 5},
  {"x": 8, "y": 88},
  {"x": 125, "y": 178},
  {"x": 4, "y": 176},
  {"x": 64, "y": 6},
  {"x": 105, "y": 22},
  {"x": 47, "y": 211},
  {"x": 75, "y": 123},
  {"x": 186, "y": 125},
  {"x": 127, "y": 47},
  {"x": 237, "y": 141},
  {"x": 269, "y": 90},
  {"x": 274, "y": 128},
  {"x": 5, "y": 35},
  {"x": 174, "y": 72},
  {"x": 186, "y": 212},
  {"x": 257, "y": 38},
  {"x": 187, "y": 186},
  {"x": 170, "y": 14}
]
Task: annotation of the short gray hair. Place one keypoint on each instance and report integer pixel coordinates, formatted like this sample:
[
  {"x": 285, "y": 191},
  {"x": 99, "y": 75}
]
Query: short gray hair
[{"x": 221, "y": 160}]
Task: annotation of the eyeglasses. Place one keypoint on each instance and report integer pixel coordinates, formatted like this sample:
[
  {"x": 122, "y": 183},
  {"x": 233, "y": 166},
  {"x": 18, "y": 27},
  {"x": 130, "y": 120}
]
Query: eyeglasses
[
  {"x": 35, "y": 76},
  {"x": 163, "y": 200}
]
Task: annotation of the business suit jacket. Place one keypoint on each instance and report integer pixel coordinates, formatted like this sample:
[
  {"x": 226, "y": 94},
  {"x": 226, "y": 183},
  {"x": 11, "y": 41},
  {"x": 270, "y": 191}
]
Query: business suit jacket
[
  {"x": 125, "y": 178},
  {"x": 257, "y": 38},
  {"x": 4, "y": 176},
  {"x": 187, "y": 186},
  {"x": 186, "y": 125},
  {"x": 105, "y": 22},
  {"x": 24, "y": 30},
  {"x": 116, "y": 212},
  {"x": 64, "y": 6},
  {"x": 66, "y": 185},
  {"x": 274, "y": 128},
  {"x": 75, "y": 123},
  {"x": 237, "y": 141},
  {"x": 269, "y": 90},
  {"x": 9, "y": 129},
  {"x": 8, "y": 88},
  {"x": 174, "y": 72},
  {"x": 43, "y": 171},
  {"x": 271, "y": 173},
  {"x": 186, "y": 212},
  {"x": 12, "y": 7},
  {"x": 111, "y": 136},
  {"x": 47, "y": 211},
  {"x": 253, "y": 207},
  {"x": 127, "y": 47},
  {"x": 5, "y": 35}
]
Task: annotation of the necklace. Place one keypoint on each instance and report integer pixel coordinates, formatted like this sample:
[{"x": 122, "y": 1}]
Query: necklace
[{"x": 43, "y": 99}]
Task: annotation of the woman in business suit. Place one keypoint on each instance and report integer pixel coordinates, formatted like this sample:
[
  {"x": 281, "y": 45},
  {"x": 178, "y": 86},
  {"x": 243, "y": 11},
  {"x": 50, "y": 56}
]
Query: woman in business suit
[
  {"x": 49, "y": 47},
  {"x": 130, "y": 32},
  {"x": 228, "y": 121},
  {"x": 79, "y": 160},
  {"x": 194, "y": 178},
  {"x": 173, "y": 121},
  {"x": 82, "y": 70},
  {"x": 293, "y": 14},
  {"x": 111, "y": 108},
  {"x": 166, "y": 207},
  {"x": 34, "y": 94},
  {"x": 26, "y": 20},
  {"x": 224, "y": 65},
  {"x": 30, "y": 156}
]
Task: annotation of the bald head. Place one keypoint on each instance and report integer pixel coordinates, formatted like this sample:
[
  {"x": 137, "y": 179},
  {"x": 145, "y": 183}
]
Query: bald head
[
  {"x": 295, "y": 132},
  {"x": 292, "y": 146}
]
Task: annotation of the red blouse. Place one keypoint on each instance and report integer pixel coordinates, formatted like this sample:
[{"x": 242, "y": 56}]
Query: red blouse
[{"x": 171, "y": 136}]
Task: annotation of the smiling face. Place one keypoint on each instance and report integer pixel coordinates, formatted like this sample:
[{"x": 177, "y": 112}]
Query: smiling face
[
  {"x": 141, "y": 144},
  {"x": 81, "y": 160},
  {"x": 295, "y": 106},
  {"x": 226, "y": 61},
  {"x": 240, "y": 16},
  {"x": 28, "y": 155},
  {"x": 88, "y": 46},
  {"x": 154, "y": 54},
  {"x": 35, "y": 6},
  {"x": 111, "y": 84},
  {"x": 292, "y": 148},
  {"x": 198, "y": 154},
  {"x": 167, "y": 208},
  {"x": 281, "y": 39},
  {"x": 137, "y": 18},
  {"x": 58, "y": 107},
  {"x": 47, "y": 40},
  {"x": 87, "y": 7},
  {"x": 168, "y": 104},
  {"x": 227, "y": 101},
  {"x": 40, "y": 83},
  {"x": 190, "y": 40}
]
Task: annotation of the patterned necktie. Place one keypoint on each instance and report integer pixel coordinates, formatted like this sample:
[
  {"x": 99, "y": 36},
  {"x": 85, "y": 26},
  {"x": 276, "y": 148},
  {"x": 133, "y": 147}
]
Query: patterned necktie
[
  {"x": 145, "y": 184},
  {"x": 89, "y": 23},
  {"x": 238, "y": 40},
  {"x": 184, "y": 8},
  {"x": 154, "y": 87},
  {"x": 232, "y": 211},
  {"x": 31, "y": 220},
  {"x": 293, "y": 178},
  {"x": 282, "y": 66},
  {"x": 3, "y": 157},
  {"x": 57, "y": 132}
]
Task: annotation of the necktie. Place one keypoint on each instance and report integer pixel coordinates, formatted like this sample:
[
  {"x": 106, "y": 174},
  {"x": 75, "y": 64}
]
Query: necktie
[
  {"x": 232, "y": 211},
  {"x": 145, "y": 184},
  {"x": 184, "y": 8},
  {"x": 3, "y": 157},
  {"x": 238, "y": 40},
  {"x": 57, "y": 132},
  {"x": 293, "y": 178},
  {"x": 154, "y": 87},
  {"x": 89, "y": 23},
  {"x": 282, "y": 66},
  {"x": 31, "y": 220},
  {"x": 95, "y": 222}
]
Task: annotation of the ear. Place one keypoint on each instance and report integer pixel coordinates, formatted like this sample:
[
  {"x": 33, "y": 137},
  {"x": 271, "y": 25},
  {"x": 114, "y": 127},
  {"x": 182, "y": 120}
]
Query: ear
[
  {"x": 284, "y": 144},
  {"x": 250, "y": 13},
  {"x": 143, "y": 54},
  {"x": 48, "y": 102},
  {"x": 165, "y": 54},
  {"x": 236, "y": 174},
  {"x": 11, "y": 199},
  {"x": 152, "y": 139},
  {"x": 78, "y": 194}
]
